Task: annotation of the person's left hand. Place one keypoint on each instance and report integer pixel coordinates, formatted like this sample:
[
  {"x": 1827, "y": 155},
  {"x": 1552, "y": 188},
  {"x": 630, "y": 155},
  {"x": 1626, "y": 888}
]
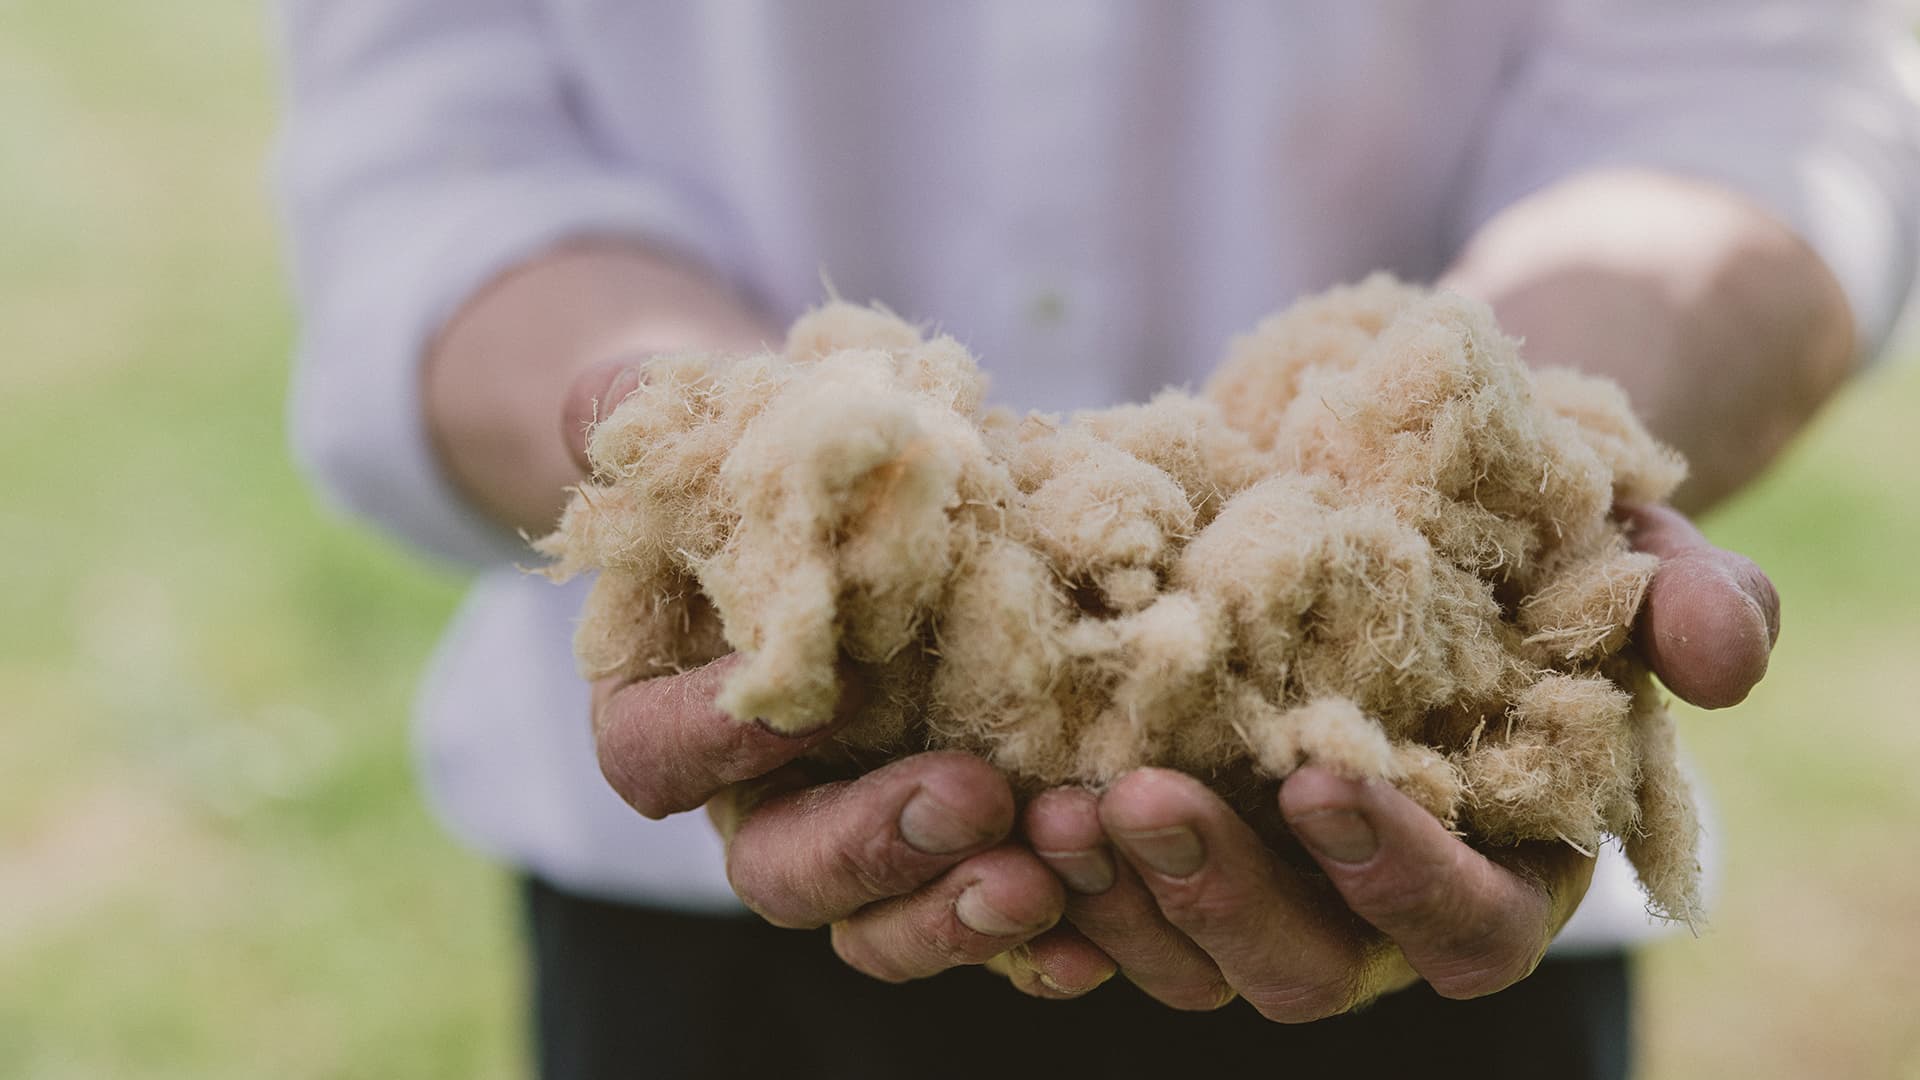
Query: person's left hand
[
  {"x": 1168, "y": 885},
  {"x": 1196, "y": 910}
]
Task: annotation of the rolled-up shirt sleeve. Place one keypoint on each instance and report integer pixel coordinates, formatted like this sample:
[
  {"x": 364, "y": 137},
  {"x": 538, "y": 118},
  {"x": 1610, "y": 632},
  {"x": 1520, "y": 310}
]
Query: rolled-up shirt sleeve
[
  {"x": 428, "y": 146},
  {"x": 1804, "y": 106}
]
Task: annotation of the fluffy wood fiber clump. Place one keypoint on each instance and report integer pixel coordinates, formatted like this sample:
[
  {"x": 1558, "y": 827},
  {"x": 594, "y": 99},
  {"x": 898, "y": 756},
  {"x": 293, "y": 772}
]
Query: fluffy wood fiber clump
[{"x": 1376, "y": 541}]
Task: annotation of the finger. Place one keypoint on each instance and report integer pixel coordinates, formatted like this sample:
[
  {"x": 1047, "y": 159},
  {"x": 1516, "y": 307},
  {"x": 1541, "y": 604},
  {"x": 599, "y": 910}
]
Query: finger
[
  {"x": 1292, "y": 955},
  {"x": 978, "y": 910},
  {"x": 594, "y": 393},
  {"x": 1059, "y": 965},
  {"x": 1107, "y": 902},
  {"x": 809, "y": 857},
  {"x": 1063, "y": 827},
  {"x": 665, "y": 747},
  {"x": 1467, "y": 926},
  {"x": 1711, "y": 616}
]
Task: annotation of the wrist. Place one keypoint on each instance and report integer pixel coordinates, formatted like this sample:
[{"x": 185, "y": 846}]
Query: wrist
[
  {"x": 1725, "y": 329},
  {"x": 497, "y": 380}
]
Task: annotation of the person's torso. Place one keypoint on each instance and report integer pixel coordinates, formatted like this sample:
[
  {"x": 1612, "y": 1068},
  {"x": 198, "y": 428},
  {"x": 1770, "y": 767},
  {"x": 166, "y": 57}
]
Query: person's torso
[{"x": 1093, "y": 195}]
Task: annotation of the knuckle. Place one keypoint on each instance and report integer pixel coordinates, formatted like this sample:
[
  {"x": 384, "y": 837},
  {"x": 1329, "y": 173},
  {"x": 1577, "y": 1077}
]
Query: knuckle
[
  {"x": 740, "y": 754},
  {"x": 1485, "y": 973},
  {"x": 1439, "y": 910},
  {"x": 876, "y": 866},
  {"x": 750, "y": 885},
  {"x": 857, "y": 952},
  {"x": 1466, "y": 942},
  {"x": 944, "y": 942},
  {"x": 1303, "y": 1001},
  {"x": 1423, "y": 898},
  {"x": 1195, "y": 995},
  {"x": 1202, "y": 907},
  {"x": 686, "y": 761},
  {"x": 643, "y": 791},
  {"x": 811, "y": 857},
  {"x": 908, "y": 942}
]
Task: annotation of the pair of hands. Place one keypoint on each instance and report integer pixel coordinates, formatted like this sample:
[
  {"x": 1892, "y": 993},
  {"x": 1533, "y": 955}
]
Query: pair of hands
[{"x": 928, "y": 864}]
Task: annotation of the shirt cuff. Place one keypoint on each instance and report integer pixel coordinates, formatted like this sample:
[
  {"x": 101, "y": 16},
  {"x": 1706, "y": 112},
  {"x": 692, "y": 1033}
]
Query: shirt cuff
[{"x": 357, "y": 422}]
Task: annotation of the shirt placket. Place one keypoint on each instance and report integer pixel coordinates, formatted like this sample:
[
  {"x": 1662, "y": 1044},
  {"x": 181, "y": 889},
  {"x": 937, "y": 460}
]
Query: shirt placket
[{"x": 1048, "y": 88}]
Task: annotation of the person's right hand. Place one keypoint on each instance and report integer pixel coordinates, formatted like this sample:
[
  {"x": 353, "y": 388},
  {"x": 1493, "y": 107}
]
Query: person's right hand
[{"x": 909, "y": 864}]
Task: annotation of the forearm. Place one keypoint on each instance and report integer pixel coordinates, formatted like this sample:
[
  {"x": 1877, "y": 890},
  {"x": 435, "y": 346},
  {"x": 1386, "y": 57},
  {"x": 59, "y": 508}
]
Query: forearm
[
  {"x": 1726, "y": 330},
  {"x": 496, "y": 378}
]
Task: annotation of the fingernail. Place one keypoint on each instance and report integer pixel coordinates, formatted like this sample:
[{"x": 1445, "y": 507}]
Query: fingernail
[
  {"x": 1174, "y": 851},
  {"x": 1344, "y": 836},
  {"x": 624, "y": 383},
  {"x": 933, "y": 828},
  {"x": 981, "y": 917},
  {"x": 1089, "y": 872},
  {"x": 1766, "y": 599},
  {"x": 1057, "y": 987},
  {"x": 767, "y": 726}
]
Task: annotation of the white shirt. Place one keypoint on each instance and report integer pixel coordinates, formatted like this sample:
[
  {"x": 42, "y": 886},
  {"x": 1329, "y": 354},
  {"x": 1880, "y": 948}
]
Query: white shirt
[{"x": 1093, "y": 195}]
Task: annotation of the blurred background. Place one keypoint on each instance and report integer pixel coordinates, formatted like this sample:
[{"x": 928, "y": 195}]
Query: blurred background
[{"x": 213, "y": 862}]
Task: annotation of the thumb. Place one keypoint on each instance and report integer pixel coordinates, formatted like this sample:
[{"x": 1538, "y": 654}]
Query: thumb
[
  {"x": 595, "y": 392},
  {"x": 1468, "y": 925},
  {"x": 1711, "y": 616}
]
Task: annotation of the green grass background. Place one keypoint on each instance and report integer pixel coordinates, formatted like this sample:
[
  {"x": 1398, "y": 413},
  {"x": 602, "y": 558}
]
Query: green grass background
[{"x": 213, "y": 862}]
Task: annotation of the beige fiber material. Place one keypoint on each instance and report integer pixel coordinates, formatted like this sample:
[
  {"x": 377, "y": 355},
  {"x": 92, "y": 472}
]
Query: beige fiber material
[{"x": 1376, "y": 541}]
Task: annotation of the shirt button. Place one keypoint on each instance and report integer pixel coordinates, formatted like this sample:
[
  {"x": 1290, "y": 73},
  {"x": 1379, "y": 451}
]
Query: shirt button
[{"x": 1048, "y": 307}]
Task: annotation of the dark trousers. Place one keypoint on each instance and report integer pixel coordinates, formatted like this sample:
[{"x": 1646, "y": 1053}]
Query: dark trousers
[{"x": 634, "y": 992}]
